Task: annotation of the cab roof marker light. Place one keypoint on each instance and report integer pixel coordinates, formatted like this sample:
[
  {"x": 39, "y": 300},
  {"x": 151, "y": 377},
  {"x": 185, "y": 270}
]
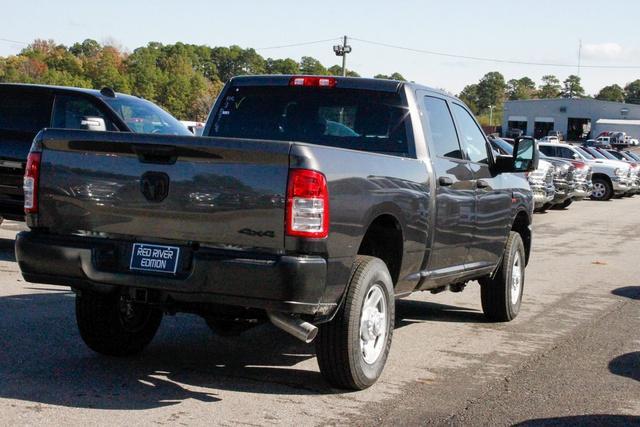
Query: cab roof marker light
[{"x": 313, "y": 81}]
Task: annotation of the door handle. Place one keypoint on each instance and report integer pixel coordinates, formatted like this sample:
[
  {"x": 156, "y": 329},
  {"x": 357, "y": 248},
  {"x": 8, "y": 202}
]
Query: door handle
[
  {"x": 481, "y": 183},
  {"x": 445, "y": 181}
]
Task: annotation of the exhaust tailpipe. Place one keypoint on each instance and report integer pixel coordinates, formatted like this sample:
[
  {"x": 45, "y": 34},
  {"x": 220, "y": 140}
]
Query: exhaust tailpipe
[{"x": 300, "y": 329}]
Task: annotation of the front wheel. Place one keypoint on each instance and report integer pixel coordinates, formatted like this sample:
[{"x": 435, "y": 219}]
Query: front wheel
[
  {"x": 352, "y": 349},
  {"x": 602, "y": 190},
  {"x": 112, "y": 325},
  {"x": 501, "y": 295}
]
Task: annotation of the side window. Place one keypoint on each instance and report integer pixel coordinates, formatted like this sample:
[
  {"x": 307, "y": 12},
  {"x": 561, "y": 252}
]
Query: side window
[
  {"x": 565, "y": 153},
  {"x": 547, "y": 150},
  {"x": 443, "y": 131},
  {"x": 69, "y": 112},
  {"x": 471, "y": 136},
  {"x": 24, "y": 111}
]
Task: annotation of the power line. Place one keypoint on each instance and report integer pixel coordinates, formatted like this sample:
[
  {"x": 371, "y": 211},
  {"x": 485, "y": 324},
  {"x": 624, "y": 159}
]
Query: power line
[
  {"x": 13, "y": 41},
  {"x": 299, "y": 44},
  {"x": 487, "y": 59}
]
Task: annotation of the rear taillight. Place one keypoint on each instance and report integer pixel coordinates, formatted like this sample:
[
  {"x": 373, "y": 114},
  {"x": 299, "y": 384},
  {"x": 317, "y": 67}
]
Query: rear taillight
[
  {"x": 307, "y": 204},
  {"x": 313, "y": 81},
  {"x": 30, "y": 183}
]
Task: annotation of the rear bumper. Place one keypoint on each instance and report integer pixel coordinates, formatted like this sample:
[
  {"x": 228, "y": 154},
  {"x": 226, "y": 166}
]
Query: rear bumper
[{"x": 294, "y": 284}]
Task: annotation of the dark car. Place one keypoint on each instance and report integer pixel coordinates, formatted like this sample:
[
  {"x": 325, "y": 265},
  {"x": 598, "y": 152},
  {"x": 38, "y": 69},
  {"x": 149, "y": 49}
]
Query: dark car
[
  {"x": 280, "y": 215},
  {"x": 25, "y": 109}
]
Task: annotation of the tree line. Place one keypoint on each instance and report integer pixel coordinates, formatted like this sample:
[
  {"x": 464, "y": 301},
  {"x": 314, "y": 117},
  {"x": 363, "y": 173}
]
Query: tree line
[
  {"x": 182, "y": 78},
  {"x": 493, "y": 90},
  {"x": 185, "y": 78}
]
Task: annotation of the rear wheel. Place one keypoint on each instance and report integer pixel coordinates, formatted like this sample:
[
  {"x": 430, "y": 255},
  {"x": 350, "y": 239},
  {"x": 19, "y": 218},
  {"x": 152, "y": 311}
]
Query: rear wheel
[
  {"x": 501, "y": 295},
  {"x": 114, "y": 326},
  {"x": 602, "y": 189},
  {"x": 352, "y": 349}
]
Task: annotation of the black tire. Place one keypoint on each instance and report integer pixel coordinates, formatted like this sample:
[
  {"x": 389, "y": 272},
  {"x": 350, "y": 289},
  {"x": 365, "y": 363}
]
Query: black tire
[
  {"x": 496, "y": 293},
  {"x": 604, "y": 195},
  {"x": 562, "y": 205},
  {"x": 341, "y": 360},
  {"x": 110, "y": 325},
  {"x": 542, "y": 209}
]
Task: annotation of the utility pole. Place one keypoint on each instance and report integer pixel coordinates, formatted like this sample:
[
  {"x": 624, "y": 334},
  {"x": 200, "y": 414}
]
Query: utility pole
[
  {"x": 342, "y": 50},
  {"x": 579, "y": 56},
  {"x": 491, "y": 107}
]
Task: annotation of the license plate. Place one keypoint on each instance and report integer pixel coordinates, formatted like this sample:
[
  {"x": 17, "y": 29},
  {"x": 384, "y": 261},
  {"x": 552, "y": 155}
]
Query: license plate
[{"x": 154, "y": 258}]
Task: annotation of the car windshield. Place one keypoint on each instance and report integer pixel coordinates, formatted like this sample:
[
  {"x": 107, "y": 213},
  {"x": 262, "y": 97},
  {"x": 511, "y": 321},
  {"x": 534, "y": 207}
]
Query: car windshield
[
  {"x": 348, "y": 118},
  {"x": 145, "y": 117},
  {"x": 608, "y": 155},
  {"x": 586, "y": 154},
  {"x": 618, "y": 155},
  {"x": 594, "y": 153},
  {"x": 633, "y": 155}
]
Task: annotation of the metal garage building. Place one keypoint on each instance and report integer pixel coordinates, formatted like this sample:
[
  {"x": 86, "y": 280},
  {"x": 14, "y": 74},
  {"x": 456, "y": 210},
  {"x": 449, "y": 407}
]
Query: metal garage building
[{"x": 577, "y": 119}]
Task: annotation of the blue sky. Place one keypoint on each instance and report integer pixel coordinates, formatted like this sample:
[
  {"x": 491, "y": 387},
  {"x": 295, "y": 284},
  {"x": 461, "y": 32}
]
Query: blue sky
[{"x": 534, "y": 31}]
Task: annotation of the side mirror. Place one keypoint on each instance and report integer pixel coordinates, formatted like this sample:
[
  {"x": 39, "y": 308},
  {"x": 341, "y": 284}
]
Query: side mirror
[
  {"x": 525, "y": 154},
  {"x": 576, "y": 156},
  {"x": 524, "y": 159},
  {"x": 94, "y": 123}
]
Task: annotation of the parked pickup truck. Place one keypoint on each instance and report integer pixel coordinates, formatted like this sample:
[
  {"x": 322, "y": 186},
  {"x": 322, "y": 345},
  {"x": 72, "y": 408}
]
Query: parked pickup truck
[
  {"x": 26, "y": 108},
  {"x": 609, "y": 178},
  {"x": 312, "y": 202}
]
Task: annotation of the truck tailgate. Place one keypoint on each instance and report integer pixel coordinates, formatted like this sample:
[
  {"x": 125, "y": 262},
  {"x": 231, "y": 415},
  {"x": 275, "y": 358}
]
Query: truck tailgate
[{"x": 156, "y": 187}]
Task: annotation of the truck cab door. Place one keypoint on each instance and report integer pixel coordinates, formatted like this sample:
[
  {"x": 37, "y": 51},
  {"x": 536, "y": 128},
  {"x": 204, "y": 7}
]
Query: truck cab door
[
  {"x": 493, "y": 195},
  {"x": 455, "y": 191}
]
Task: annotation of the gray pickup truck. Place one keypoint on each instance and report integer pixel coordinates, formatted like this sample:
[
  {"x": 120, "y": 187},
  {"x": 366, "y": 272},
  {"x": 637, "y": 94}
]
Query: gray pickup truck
[{"x": 311, "y": 202}]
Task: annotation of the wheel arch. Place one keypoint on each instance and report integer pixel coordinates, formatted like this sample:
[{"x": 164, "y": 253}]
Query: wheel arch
[
  {"x": 384, "y": 238},
  {"x": 522, "y": 225}
]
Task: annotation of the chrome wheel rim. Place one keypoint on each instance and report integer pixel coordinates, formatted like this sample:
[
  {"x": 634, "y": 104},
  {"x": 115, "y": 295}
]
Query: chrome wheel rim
[
  {"x": 598, "y": 190},
  {"x": 373, "y": 324},
  {"x": 516, "y": 279}
]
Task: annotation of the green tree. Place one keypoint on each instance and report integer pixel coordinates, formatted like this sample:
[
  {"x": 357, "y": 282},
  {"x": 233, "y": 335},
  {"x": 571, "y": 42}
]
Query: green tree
[
  {"x": 491, "y": 90},
  {"x": 312, "y": 66},
  {"x": 235, "y": 61},
  {"x": 523, "y": 88},
  {"x": 145, "y": 75},
  {"x": 394, "y": 76},
  {"x": 572, "y": 87},
  {"x": 469, "y": 96},
  {"x": 611, "y": 93},
  {"x": 110, "y": 71},
  {"x": 632, "y": 92},
  {"x": 89, "y": 48},
  {"x": 550, "y": 87},
  {"x": 336, "y": 70},
  {"x": 282, "y": 66}
]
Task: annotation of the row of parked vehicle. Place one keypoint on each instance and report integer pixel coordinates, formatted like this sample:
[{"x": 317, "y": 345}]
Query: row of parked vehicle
[{"x": 567, "y": 173}]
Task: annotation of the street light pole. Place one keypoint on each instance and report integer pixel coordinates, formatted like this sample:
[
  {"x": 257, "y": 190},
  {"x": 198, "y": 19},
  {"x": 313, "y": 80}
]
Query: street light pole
[{"x": 342, "y": 50}]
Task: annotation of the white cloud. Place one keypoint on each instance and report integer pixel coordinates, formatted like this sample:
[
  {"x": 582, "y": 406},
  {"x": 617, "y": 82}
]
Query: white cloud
[{"x": 606, "y": 51}]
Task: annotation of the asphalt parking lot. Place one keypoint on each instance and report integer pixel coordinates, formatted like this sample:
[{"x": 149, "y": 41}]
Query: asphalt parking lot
[{"x": 572, "y": 355}]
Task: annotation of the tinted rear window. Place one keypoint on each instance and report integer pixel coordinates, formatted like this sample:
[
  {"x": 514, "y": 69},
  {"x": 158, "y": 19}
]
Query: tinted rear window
[
  {"x": 348, "y": 118},
  {"x": 24, "y": 111}
]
